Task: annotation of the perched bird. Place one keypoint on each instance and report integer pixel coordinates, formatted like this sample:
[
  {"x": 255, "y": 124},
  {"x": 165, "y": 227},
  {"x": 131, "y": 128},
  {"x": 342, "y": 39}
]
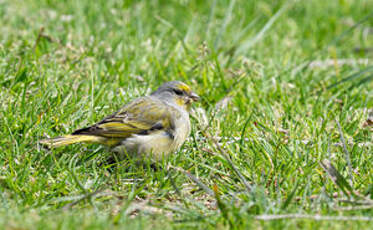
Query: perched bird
[{"x": 157, "y": 124}]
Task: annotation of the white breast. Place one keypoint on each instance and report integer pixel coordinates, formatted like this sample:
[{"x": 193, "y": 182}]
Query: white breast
[
  {"x": 182, "y": 130},
  {"x": 159, "y": 143}
]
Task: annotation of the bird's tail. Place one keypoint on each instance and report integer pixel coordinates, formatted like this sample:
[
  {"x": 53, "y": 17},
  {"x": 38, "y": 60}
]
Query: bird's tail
[{"x": 71, "y": 139}]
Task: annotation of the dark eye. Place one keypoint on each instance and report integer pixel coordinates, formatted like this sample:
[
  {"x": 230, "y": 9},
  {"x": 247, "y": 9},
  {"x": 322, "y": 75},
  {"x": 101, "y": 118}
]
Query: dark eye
[{"x": 178, "y": 92}]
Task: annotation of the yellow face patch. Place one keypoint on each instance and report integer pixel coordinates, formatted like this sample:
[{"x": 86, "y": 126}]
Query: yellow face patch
[
  {"x": 180, "y": 101},
  {"x": 184, "y": 103}
]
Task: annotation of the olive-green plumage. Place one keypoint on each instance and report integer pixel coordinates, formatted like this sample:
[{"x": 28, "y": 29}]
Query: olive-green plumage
[{"x": 158, "y": 124}]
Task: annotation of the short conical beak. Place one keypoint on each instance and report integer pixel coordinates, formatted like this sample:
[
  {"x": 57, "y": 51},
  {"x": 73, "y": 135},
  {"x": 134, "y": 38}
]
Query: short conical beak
[{"x": 194, "y": 96}]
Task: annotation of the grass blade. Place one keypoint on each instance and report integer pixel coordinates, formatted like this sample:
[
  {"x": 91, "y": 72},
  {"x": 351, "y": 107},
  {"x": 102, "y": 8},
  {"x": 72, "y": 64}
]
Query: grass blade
[
  {"x": 195, "y": 180},
  {"x": 337, "y": 178},
  {"x": 352, "y": 76},
  {"x": 249, "y": 43}
]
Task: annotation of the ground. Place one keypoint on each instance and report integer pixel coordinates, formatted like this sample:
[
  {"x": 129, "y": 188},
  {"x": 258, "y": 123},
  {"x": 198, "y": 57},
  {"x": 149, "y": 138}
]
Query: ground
[{"x": 282, "y": 131}]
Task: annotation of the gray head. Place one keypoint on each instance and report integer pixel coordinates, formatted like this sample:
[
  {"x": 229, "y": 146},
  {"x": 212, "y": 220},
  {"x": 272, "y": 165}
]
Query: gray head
[{"x": 177, "y": 91}]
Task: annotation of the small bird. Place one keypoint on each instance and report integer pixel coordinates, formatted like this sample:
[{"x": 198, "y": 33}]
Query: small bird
[{"x": 157, "y": 124}]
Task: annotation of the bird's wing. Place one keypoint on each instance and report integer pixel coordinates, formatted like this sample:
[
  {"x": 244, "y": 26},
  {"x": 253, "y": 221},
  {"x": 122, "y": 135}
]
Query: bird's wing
[{"x": 141, "y": 116}]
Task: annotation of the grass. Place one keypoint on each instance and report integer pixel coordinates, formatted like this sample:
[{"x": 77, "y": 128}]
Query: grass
[{"x": 280, "y": 129}]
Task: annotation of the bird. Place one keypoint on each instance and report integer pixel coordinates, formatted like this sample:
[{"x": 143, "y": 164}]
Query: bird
[{"x": 156, "y": 125}]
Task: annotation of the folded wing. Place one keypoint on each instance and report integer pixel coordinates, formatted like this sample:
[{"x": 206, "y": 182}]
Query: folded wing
[{"x": 141, "y": 116}]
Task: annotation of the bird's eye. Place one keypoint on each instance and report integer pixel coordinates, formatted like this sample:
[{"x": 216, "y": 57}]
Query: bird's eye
[{"x": 178, "y": 92}]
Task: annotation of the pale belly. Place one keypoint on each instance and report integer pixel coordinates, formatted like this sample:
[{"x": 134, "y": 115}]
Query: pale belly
[{"x": 158, "y": 144}]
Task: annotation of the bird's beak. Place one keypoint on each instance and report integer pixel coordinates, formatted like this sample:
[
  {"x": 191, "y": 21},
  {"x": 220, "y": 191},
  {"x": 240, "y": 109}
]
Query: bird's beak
[{"x": 194, "y": 96}]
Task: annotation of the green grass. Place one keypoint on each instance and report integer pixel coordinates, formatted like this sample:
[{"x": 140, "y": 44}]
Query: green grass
[{"x": 259, "y": 155}]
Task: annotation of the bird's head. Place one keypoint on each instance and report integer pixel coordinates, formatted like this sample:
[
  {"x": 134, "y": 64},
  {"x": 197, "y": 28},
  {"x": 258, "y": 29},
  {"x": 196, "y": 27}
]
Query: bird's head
[{"x": 178, "y": 92}]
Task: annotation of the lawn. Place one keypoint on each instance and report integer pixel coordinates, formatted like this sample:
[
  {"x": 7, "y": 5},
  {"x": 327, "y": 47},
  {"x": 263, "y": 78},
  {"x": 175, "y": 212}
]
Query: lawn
[{"x": 281, "y": 138}]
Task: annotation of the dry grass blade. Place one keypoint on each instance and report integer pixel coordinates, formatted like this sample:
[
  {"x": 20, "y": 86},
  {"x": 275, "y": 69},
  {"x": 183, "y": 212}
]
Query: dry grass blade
[
  {"x": 369, "y": 121},
  {"x": 143, "y": 207},
  {"x": 358, "y": 202},
  {"x": 347, "y": 154},
  {"x": 223, "y": 103},
  {"x": 86, "y": 196},
  {"x": 195, "y": 180},
  {"x": 339, "y": 62},
  {"x": 226, "y": 157},
  {"x": 40, "y": 34},
  {"x": 313, "y": 217},
  {"x": 222, "y": 207},
  {"x": 337, "y": 178},
  {"x": 101, "y": 193},
  {"x": 352, "y": 208}
]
